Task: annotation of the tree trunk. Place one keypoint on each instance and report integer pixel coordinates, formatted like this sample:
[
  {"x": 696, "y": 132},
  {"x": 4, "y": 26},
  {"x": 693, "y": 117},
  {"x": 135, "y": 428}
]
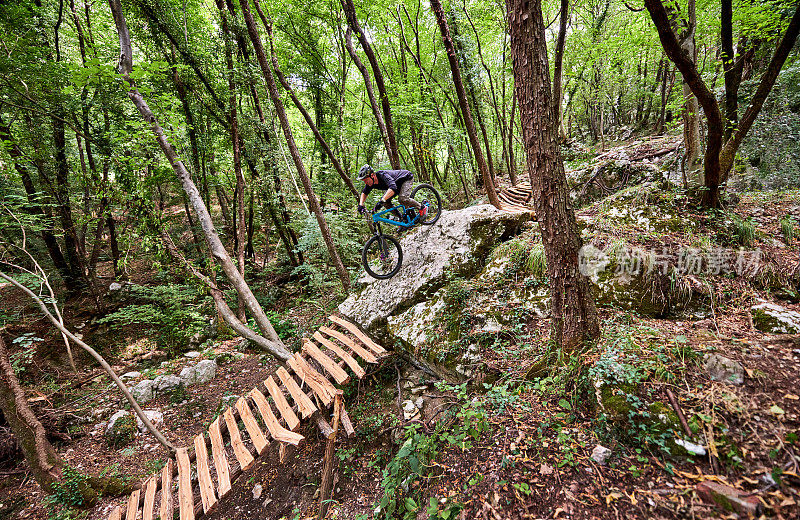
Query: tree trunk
[
  {"x": 233, "y": 126},
  {"x": 558, "y": 64},
  {"x": 44, "y": 462},
  {"x": 436, "y": 5},
  {"x": 255, "y": 38},
  {"x": 275, "y": 345},
  {"x": 314, "y": 129},
  {"x": 575, "y": 319},
  {"x": 352, "y": 21}
]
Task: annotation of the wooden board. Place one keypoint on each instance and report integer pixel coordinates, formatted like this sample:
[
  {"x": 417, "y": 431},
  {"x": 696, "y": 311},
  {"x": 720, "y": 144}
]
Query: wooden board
[
  {"x": 220, "y": 459},
  {"x": 304, "y": 404},
  {"x": 278, "y": 432},
  {"x": 250, "y": 423},
  {"x": 204, "y": 474},
  {"x": 323, "y": 389},
  {"x": 365, "y": 354},
  {"x": 242, "y": 454},
  {"x": 166, "y": 490},
  {"x": 133, "y": 505},
  {"x": 292, "y": 422},
  {"x": 379, "y": 350},
  {"x": 327, "y": 363},
  {"x": 333, "y": 347},
  {"x": 149, "y": 498},
  {"x": 185, "y": 496},
  {"x": 116, "y": 514}
]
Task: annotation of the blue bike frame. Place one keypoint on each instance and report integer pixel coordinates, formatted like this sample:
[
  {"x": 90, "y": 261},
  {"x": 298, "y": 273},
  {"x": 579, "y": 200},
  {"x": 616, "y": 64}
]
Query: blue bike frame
[{"x": 379, "y": 217}]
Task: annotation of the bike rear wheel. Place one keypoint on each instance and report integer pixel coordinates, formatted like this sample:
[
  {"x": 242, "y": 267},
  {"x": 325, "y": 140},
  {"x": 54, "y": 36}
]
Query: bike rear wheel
[
  {"x": 426, "y": 194},
  {"x": 382, "y": 256}
]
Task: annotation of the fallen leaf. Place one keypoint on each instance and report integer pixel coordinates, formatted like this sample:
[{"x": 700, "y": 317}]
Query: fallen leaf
[
  {"x": 793, "y": 397},
  {"x": 611, "y": 497},
  {"x": 776, "y": 410}
]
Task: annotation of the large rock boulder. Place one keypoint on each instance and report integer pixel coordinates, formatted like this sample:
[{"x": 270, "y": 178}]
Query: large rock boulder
[{"x": 456, "y": 245}]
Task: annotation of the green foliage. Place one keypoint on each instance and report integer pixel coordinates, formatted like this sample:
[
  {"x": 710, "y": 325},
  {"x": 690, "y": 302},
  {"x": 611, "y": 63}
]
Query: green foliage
[
  {"x": 744, "y": 230},
  {"x": 788, "y": 228},
  {"x": 71, "y": 489},
  {"x": 21, "y": 359},
  {"x": 413, "y": 463},
  {"x": 526, "y": 258},
  {"x": 455, "y": 299},
  {"x": 173, "y": 313}
]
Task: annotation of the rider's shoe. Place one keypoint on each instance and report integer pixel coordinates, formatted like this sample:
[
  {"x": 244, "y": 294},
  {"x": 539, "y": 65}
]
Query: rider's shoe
[{"x": 423, "y": 212}]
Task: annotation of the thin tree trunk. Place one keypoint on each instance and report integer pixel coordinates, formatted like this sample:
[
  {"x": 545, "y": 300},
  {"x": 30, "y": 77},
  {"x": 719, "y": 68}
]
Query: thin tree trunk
[
  {"x": 558, "y": 63},
  {"x": 575, "y": 321},
  {"x": 314, "y": 129},
  {"x": 352, "y": 21},
  {"x": 275, "y": 345},
  {"x": 255, "y": 38},
  {"x": 436, "y": 5}
]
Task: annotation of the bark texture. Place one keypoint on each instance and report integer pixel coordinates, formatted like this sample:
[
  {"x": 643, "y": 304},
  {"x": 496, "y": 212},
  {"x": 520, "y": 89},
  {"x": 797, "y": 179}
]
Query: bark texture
[
  {"x": 43, "y": 460},
  {"x": 575, "y": 320}
]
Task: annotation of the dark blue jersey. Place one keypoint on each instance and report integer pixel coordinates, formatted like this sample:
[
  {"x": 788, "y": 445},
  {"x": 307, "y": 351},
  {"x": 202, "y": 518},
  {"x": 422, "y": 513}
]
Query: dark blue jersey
[{"x": 388, "y": 180}]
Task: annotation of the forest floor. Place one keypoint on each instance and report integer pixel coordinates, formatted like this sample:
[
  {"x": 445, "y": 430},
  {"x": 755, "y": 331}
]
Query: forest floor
[{"x": 513, "y": 449}]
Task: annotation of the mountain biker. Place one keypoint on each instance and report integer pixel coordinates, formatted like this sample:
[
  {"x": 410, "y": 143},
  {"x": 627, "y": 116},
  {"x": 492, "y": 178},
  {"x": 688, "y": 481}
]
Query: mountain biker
[{"x": 394, "y": 182}]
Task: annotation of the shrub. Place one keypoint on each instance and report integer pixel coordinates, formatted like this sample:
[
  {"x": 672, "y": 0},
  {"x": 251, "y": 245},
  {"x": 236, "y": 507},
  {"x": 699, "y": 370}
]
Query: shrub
[
  {"x": 788, "y": 228},
  {"x": 172, "y": 313}
]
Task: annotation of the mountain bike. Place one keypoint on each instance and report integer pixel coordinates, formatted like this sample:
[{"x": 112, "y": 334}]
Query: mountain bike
[{"x": 382, "y": 255}]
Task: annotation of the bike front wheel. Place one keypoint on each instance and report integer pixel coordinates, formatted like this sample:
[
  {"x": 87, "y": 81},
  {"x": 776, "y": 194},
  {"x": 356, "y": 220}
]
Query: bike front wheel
[
  {"x": 382, "y": 256},
  {"x": 427, "y": 195}
]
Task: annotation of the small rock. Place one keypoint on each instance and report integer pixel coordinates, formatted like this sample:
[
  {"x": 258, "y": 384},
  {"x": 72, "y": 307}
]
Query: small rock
[
  {"x": 154, "y": 416},
  {"x": 192, "y": 354},
  {"x": 418, "y": 389},
  {"x": 600, "y": 454},
  {"x": 545, "y": 469},
  {"x": 418, "y": 402},
  {"x": 189, "y": 375},
  {"x": 728, "y": 498},
  {"x": 166, "y": 383},
  {"x": 114, "y": 418},
  {"x": 491, "y": 326},
  {"x": 724, "y": 369},
  {"x": 115, "y": 286},
  {"x": 143, "y": 391},
  {"x": 691, "y": 447},
  {"x": 206, "y": 371},
  {"x": 257, "y": 490},
  {"x": 121, "y": 429},
  {"x": 774, "y": 319},
  {"x": 131, "y": 375},
  {"x": 409, "y": 410}
]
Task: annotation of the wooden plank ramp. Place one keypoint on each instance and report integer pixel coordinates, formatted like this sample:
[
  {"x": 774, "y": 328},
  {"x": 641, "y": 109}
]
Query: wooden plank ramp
[{"x": 319, "y": 366}]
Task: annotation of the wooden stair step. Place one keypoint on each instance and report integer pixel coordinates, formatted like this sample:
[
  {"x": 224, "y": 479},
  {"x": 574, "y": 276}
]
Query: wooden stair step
[
  {"x": 286, "y": 412},
  {"x": 305, "y": 406},
  {"x": 322, "y": 388},
  {"x": 116, "y": 514},
  {"x": 327, "y": 363},
  {"x": 253, "y": 430},
  {"x": 167, "y": 505},
  {"x": 185, "y": 495},
  {"x": 278, "y": 432},
  {"x": 239, "y": 449},
  {"x": 133, "y": 505},
  {"x": 149, "y": 498},
  {"x": 347, "y": 358},
  {"x": 366, "y": 340},
  {"x": 220, "y": 459},
  {"x": 207, "y": 495},
  {"x": 365, "y": 354}
]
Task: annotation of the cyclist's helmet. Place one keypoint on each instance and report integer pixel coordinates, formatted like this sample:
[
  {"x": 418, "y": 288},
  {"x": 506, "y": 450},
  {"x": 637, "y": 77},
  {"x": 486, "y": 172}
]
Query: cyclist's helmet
[{"x": 364, "y": 172}]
